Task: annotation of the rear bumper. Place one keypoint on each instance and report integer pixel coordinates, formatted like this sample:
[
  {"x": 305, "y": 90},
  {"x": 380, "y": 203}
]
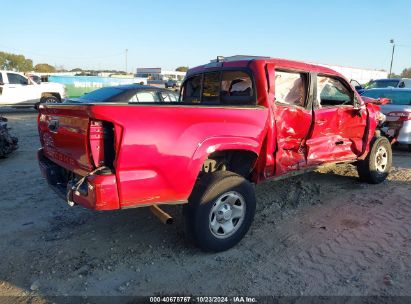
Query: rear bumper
[
  {"x": 404, "y": 137},
  {"x": 401, "y": 131},
  {"x": 98, "y": 192}
]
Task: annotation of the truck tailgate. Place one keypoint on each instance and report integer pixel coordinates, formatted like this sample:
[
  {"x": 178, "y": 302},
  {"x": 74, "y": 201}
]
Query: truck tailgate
[{"x": 64, "y": 134}]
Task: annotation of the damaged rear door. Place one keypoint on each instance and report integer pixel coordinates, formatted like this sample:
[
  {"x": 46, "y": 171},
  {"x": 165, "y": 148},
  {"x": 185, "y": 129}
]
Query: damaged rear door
[{"x": 338, "y": 127}]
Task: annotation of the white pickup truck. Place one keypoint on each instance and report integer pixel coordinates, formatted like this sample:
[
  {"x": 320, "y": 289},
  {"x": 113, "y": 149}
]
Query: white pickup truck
[{"x": 18, "y": 90}]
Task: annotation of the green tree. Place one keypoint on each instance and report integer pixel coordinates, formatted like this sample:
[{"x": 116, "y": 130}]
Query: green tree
[
  {"x": 393, "y": 75},
  {"x": 182, "y": 69},
  {"x": 406, "y": 73},
  {"x": 44, "y": 68},
  {"x": 15, "y": 62}
]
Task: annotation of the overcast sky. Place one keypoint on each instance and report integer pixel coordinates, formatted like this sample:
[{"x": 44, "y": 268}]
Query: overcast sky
[{"x": 95, "y": 34}]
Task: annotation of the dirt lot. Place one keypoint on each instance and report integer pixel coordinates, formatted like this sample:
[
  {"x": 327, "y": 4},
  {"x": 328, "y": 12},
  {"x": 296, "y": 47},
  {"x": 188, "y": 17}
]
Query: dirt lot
[{"x": 323, "y": 233}]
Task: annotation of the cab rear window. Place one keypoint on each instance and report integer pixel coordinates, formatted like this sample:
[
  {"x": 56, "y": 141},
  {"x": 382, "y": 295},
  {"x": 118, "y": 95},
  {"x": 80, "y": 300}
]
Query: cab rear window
[{"x": 219, "y": 88}]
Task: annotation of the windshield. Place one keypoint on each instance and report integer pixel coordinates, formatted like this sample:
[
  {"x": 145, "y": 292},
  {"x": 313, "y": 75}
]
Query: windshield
[
  {"x": 383, "y": 83},
  {"x": 400, "y": 97}
]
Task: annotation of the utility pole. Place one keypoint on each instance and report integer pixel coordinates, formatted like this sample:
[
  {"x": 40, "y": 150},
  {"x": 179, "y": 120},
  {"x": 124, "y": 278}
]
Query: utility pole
[
  {"x": 392, "y": 56},
  {"x": 126, "y": 60}
]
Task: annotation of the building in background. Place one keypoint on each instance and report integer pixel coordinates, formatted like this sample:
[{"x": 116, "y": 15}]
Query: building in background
[
  {"x": 361, "y": 75},
  {"x": 158, "y": 74},
  {"x": 77, "y": 86}
]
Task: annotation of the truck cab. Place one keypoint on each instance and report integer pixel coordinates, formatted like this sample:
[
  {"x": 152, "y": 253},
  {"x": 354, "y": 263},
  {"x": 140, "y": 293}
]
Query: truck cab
[{"x": 17, "y": 90}]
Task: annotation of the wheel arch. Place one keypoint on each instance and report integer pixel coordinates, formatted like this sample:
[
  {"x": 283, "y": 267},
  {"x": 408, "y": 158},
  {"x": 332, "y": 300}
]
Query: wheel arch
[{"x": 239, "y": 155}]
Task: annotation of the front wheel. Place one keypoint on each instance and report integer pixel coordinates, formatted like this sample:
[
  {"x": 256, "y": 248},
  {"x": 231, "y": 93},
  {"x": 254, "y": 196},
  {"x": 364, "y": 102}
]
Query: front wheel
[
  {"x": 375, "y": 168},
  {"x": 220, "y": 210}
]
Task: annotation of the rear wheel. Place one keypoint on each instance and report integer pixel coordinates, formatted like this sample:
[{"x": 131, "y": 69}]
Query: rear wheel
[
  {"x": 376, "y": 166},
  {"x": 220, "y": 210},
  {"x": 49, "y": 99}
]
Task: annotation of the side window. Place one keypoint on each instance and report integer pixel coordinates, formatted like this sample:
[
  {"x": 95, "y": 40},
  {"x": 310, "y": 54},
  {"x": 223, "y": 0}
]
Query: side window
[
  {"x": 133, "y": 99},
  {"x": 1, "y": 77},
  {"x": 332, "y": 92},
  {"x": 290, "y": 88},
  {"x": 16, "y": 79},
  {"x": 173, "y": 97},
  {"x": 192, "y": 89},
  {"x": 165, "y": 96},
  {"x": 146, "y": 96}
]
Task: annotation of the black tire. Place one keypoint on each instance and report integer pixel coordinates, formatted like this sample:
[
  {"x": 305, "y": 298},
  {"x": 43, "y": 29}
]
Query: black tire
[
  {"x": 370, "y": 169},
  {"x": 49, "y": 99},
  {"x": 409, "y": 148},
  {"x": 214, "y": 188}
]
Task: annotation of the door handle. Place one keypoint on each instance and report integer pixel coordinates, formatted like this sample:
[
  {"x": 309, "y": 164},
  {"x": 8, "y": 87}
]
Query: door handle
[{"x": 320, "y": 121}]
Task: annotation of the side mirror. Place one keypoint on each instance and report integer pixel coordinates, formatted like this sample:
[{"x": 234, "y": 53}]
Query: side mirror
[
  {"x": 1, "y": 83},
  {"x": 356, "y": 84}
]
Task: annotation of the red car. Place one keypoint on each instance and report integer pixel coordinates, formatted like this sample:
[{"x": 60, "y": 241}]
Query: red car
[{"x": 238, "y": 121}]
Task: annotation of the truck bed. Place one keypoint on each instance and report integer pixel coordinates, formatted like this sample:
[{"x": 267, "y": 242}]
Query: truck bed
[{"x": 154, "y": 152}]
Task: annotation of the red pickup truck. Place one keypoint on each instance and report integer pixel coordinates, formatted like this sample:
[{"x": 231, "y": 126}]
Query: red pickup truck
[{"x": 237, "y": 122}]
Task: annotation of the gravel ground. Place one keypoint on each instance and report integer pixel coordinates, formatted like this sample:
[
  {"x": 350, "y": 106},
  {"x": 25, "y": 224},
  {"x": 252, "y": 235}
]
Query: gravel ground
[{"x": 322, "y": 233}]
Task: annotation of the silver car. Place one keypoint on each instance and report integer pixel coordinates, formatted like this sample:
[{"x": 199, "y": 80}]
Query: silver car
[
  {"x": 171, "y": 83},
  {"x": 398, "y": 112},
  {"x": 402, "y": 83}
]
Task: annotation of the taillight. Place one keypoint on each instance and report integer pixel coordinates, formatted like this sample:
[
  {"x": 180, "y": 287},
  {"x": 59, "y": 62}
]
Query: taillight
[
  {"x": 400, "y": 115},
  {"x": 97, "y": 142},
  {"x": 381, "y": 118}
]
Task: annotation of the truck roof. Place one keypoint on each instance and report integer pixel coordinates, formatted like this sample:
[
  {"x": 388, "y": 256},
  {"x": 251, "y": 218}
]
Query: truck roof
[{"x": 245, "y": 60}]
